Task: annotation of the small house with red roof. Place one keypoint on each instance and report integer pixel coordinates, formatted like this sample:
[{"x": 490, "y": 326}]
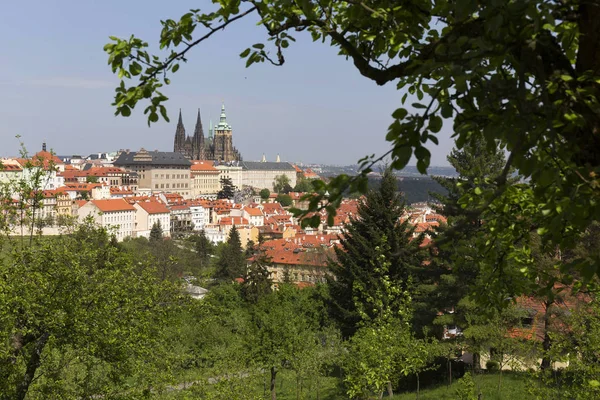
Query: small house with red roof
[
  {"x": 147, "y": 214},
  {"x": 117, "y": 215}
]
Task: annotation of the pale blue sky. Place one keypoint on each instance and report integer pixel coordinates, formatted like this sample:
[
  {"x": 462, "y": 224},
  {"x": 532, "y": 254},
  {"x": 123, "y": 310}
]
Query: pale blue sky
[{"x": 56, "y": 86}]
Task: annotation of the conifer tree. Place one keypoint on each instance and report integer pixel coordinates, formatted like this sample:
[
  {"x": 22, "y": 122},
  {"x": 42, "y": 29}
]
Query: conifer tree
[
  {"x": 378, "y": 217},
  {"x": 204, "y": 248},
  {"x": 156, "y": 233},
  {"x": 232, "y": 263},
  {"x": 454, "y": 255},
  {"x": 257, "y": 282},
  {"x": 227, "y": 189}
]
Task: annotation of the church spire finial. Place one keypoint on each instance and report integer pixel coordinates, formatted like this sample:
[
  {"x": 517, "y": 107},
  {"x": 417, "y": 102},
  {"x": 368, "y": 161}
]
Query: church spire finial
[
  {"x": 264, "y": 158},
  {"x": 223, "y": 117},
  {"x": 44, "y": 146}
]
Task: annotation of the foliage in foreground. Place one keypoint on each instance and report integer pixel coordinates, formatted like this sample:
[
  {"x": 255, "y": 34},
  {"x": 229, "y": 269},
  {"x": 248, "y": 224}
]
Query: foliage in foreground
[{"x": 79, "y": 318}]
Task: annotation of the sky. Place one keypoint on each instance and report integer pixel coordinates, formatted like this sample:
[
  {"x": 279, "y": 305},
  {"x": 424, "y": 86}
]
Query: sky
[{"x": 56, "y": 87}]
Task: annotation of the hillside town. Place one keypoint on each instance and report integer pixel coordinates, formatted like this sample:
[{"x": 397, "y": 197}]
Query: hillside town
[{"x": 130, "y": 192}]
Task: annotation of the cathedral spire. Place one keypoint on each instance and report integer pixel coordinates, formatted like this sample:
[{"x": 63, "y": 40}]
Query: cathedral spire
[
  {"x": 278, "y": 159},
  {"x": 179, "y": 142},
  {"x": 198, "y": 140}
]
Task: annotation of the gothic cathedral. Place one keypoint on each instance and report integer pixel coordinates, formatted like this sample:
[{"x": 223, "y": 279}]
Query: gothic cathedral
[{"x": 217, "y": 147}]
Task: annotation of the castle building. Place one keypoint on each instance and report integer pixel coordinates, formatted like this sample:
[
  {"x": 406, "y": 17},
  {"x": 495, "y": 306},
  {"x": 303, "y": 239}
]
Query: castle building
[
  {"x": 158, "y": 171},
  {"x": 217, "y": 147}
]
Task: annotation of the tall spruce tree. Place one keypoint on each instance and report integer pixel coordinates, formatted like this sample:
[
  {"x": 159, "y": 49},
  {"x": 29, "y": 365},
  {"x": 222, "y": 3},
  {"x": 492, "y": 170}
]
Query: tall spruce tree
[
  {"x": 204, "y": 248},
  {"x": 156, "y": 233},
  {"x": 454, "y": 255},
  {"x": 378, "y": 218},
  {"x": 257, "y": 282},
  {"x": 232, "y": 263}
]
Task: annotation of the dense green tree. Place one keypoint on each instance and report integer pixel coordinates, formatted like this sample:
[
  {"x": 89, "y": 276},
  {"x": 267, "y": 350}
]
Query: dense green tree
[
  {"x": 203, "y": 248},
  {"x": 86, "y": 307},
  {"x": 284, "y": 199},
  {"x": 265, "y": 193},
  {"x": 281, "y": 184},
  {"x": 91, "y": 179},
  {"x": 251, "y": 249},
  {"x": 232, "y": 261},
  {"x": 257, "y": 282},
  {"x": 227, "y": 189},
  {"x": 282, "y": 324},
  {"x": 378, "y": 216},
  {"x": 304, "y": 185},
  {"x": 455, "y": 253},
  {"x": 156, "y": 233},
  {"x": 520, "y": 74}
]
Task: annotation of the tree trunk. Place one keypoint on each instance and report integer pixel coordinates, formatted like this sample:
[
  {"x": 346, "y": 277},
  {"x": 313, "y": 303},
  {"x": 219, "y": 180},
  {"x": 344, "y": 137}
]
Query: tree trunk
[
  {"x": 273, "y": 388},
  {"x": 418, "y": 387},
  {"x": 318, "y": 386},
  {"x": 390, "y": 390},
  {"x": 547, "y": 343},
  {"x": 476, "y": 362},
  {"x": 32, "y": 366}
]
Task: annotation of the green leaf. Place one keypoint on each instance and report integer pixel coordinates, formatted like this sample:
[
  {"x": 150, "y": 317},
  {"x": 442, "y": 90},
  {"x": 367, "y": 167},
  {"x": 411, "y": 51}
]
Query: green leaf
[
  {"x": 153, "y": 117},
  {"x": 446, "y": 110},
  {"x": 135, "y": 68},
  {"x": 245, "y": 53},
  {"x": 478, "y": 191},
  {"x": 259, "y": 46},
  {"x": 175, "y": 68},
  {"x": 418, "y": 105},
  {"x": 401, "y": 156},
  {"x": 400, "y": 113},
  {"x": 435, "y": 124}
]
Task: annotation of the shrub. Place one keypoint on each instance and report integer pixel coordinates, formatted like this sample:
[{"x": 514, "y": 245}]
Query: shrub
[
  {"x": 492, "y": 366},
  {"x": 465, "y": 388}
]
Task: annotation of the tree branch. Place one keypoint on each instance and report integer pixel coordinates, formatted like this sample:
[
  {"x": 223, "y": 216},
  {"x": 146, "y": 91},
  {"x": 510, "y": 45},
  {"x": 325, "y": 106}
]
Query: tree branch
[{"x": 193, "y": 44}]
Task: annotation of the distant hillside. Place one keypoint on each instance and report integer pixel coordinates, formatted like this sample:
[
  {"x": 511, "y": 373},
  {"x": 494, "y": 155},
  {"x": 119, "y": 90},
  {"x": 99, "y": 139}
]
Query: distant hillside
[
  {"x": 415, "y": 190},
  {"x": 408, "y": 171}
]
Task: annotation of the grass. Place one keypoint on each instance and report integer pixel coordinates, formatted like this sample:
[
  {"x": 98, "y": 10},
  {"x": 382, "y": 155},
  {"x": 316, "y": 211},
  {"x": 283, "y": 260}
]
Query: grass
[{"x": 512, "y": 386}]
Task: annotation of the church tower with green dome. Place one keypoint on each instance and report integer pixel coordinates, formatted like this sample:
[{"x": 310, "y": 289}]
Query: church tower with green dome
[{"x": 222, "y": 143}]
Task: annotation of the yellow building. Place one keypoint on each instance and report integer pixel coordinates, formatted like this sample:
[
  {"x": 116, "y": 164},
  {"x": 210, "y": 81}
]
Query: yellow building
[{"x": 205, "y": 178}]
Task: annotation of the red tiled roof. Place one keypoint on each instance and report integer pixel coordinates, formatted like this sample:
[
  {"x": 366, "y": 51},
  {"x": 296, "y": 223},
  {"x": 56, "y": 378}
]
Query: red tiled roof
[
  {"x": 203, "y": 166},
  {"x": 253, "y": 212},
  {"x": 112, "y": 205},
  {"x": 153, "y": 207},
  {"x": 10, "y": 167},
  {"x": 233, "y": 221}
]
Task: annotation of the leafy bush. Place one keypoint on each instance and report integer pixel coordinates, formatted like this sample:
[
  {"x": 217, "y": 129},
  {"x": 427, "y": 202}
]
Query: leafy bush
[
  {"x": 465, "y": 389},
  {"x": 492, "y": 366}
]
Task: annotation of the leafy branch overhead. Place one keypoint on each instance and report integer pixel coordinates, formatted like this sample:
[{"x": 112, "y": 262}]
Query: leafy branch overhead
[{"x": 524, "y": 75}]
